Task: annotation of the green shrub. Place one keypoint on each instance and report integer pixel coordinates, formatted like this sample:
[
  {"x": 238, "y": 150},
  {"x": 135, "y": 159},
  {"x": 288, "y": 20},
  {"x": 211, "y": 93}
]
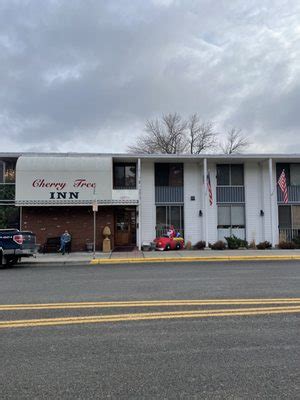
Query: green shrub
[
  {"x": 199, "y": 245},
  {"x": 286, "y": 245},
  {"x": 264, "y": 245},
  {"x": 219, "y": 245},
  {"x": 296, "y": 240},
  {"x": 234, "y": 242}
]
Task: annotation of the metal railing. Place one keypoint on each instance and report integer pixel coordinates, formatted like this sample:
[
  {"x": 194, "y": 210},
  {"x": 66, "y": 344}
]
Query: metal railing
[
  {"x": 293, "y": 194},
  {"x": 168, "y": 194},
  {"x": 288, "y": 234},
  {"x": 230, "y": 194}
]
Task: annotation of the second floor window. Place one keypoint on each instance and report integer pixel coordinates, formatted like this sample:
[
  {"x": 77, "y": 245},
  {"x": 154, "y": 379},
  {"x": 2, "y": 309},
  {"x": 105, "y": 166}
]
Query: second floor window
[
  {"x": 230, "y": 175},
  {"x": 292, "y": 173},
  {"x": 169, "y": 174},
  {"x": 124, "y": 176}
]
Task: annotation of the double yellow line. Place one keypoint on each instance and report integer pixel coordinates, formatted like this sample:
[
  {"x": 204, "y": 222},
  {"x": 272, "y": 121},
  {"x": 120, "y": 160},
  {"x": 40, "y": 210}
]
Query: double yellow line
[{"x": 278, "y": 306}]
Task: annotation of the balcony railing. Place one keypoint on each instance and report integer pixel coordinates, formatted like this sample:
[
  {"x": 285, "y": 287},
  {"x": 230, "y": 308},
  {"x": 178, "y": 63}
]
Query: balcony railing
[
  {"x": 293, "y": 194},
  {"x": 168, "y": 194},
  {"x": 288, "y": 234},
  {"x": 230, "y": 194}
]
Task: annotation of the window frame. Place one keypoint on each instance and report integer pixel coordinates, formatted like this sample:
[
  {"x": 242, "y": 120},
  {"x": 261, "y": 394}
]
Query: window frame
[
  {"x": 168, "y": 166},
  {"x": 124, "y": 186},
  {"x": 229, "y": 166},
  {"x": 231, "y": 226}
]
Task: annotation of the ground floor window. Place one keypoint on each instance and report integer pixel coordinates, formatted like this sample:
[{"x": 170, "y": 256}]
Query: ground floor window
[
  {"x": 9, "y": 217},
  {"x": 289, "y": 222},
  {"x": 231, "y": 221},
  {"x": 167, "y": 216}
]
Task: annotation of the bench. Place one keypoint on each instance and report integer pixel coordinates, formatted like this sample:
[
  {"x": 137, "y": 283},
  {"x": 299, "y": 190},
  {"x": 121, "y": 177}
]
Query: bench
[{"x": 52, "y": 245}]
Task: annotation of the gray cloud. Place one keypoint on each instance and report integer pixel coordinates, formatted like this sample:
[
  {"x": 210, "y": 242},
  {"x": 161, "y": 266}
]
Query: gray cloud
[{"x": 85, "y": 75}]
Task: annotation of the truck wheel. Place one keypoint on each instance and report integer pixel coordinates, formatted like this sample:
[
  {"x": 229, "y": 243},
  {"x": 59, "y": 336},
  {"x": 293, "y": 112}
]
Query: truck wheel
[
  {"x": 1, "y": 260},
  {"x": 168, "y": 247},
  {"x": 177, "y": 247},
  {"x": 10, "y": 261}
]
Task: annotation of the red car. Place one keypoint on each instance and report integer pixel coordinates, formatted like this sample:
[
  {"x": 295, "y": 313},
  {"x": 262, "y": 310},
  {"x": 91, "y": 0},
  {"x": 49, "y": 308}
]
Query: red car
[{"x": 169, "y": 243}]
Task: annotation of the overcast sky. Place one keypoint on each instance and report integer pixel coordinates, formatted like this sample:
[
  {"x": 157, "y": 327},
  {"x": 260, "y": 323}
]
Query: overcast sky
[{"x": 85, "y": 75}]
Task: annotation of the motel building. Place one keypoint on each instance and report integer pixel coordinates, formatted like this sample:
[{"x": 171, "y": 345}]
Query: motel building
[{"x": 139, "y": 197}]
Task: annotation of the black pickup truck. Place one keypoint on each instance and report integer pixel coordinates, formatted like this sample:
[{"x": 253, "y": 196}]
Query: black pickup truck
[{"x": 15, "y": 244}]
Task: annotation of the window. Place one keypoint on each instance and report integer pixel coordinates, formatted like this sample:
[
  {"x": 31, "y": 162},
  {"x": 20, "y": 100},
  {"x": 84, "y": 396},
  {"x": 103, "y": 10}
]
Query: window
[
  {"x": 286, "y": 167},
  {"x": 167, "y": 216},
  {"x": 10, "y": 172},
  {"x": 169, "y": 174},
  {"x": 231, "y": 216},
  {"x": 230, "y": 175},
  {"x": 124, "y": 175},
  {"x": 1, "y": 171},
  {"x": 285, "y": 217},
  {"x": 295, "y": 174},
  {"x": 289, "y": 217}
]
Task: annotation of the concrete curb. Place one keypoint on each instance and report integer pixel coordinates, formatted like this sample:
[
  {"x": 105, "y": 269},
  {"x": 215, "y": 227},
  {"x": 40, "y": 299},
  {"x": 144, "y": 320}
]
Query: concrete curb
[
  {"x": 193, "y": 259},
  {"x": 55, "y": 262}
]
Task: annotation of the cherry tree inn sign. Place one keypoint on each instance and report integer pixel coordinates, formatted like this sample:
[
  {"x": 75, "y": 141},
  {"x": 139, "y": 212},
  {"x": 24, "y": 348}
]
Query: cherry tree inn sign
[{"x": 71, "y": 180}]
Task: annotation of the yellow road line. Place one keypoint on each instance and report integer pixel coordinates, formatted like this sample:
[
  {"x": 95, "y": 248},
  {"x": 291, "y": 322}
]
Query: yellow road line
[
  {"x": 143, "y": 303},
  {"x": 148, "y": 316},
  {"x": 193, "y": 259}
]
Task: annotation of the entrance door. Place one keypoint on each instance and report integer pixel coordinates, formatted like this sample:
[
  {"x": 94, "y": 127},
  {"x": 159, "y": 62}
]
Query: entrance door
[{"x": 125, "y": 226}]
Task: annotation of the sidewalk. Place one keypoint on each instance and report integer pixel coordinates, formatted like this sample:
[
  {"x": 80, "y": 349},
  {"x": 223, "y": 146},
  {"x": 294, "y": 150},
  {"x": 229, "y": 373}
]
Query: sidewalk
[{"x": 163, "y": 256}]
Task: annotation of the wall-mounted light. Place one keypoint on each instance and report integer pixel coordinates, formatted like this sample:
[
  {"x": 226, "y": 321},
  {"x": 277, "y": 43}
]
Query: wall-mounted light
[
  {"x": 200, "y": 213},
  {"x": 261, "y": 213}
]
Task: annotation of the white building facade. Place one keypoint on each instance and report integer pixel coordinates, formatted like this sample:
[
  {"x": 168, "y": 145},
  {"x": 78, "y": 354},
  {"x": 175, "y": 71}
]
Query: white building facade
[{"x": 205, "y": 197}]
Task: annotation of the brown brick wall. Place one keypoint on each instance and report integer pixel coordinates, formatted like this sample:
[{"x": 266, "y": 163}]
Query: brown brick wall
[{"x": 53, "y": 221}]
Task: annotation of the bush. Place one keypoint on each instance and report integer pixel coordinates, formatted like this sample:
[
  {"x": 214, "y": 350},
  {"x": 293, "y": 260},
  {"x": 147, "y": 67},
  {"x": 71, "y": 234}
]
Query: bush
[
  {"x": 234, "y": 242},
  {"x": 219, "y": 245},
  {"x": 264, "y": 245},
  {"x": 286, "y": 245},
  {"x": 199, "y": 245},
  {"x": 296, "y": 240}
]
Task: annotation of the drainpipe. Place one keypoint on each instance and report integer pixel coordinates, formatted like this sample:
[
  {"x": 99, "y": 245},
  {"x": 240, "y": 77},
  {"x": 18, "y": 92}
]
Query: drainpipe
[
  {"x": 271, "y": 198},
  {"x": 205, "y": 202},
  {"x": 139, "y": 206}
]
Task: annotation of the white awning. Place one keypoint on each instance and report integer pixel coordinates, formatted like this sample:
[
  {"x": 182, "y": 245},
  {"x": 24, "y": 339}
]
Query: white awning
[{"x": 63, "y": 180}]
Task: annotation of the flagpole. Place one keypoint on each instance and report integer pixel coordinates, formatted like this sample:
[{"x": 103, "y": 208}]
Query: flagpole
[
  {"x": 205, "y": 203},
  {"x": 271, "y": 199}
]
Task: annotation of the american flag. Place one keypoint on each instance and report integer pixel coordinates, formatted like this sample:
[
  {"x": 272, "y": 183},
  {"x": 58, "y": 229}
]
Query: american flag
[
  {"x": 283, "y": 187},
  {"x": 209, "y": 190}
]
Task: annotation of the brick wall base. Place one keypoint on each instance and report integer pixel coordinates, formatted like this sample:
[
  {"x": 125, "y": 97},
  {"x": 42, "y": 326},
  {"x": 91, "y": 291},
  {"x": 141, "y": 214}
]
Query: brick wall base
[{"x": 48, "y": 222}]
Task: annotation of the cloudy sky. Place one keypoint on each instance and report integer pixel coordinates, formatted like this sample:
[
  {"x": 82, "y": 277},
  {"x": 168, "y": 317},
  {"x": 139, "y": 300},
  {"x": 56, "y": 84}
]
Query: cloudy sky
[{"x": 85, "y": 75}]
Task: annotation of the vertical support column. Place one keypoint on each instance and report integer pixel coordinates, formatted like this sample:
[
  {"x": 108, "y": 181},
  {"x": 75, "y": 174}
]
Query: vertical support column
[
  {"x": 139, "y": 238},
  {"x": 271, "y": 199},
  {"x": 21, "y": 218},
  {"x": 205, "y": 202},
  {"x": 262, "y": 197}
]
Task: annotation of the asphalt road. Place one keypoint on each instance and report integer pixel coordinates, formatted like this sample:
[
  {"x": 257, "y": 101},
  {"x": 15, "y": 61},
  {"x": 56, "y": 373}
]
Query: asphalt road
[{"x": 199, "y": 356}]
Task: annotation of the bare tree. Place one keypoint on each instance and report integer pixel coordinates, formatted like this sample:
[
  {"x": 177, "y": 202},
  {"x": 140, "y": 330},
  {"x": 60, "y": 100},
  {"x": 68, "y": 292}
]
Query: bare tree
[
  {"x": 201, "y": 135},
  {"x": 235, "y": 142},
  {"x": 165, "y": 136}
]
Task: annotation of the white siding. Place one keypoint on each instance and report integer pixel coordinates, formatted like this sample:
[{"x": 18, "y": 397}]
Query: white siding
[
  {"x": 193, "y": 182},
  {"x": 254, "y": 198},
  {"x": 148, "y": 212},
  {"x": 268, "y": 226}
]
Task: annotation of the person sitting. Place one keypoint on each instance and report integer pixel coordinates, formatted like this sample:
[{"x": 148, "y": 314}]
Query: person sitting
[{"x": 65, "y": 242}]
